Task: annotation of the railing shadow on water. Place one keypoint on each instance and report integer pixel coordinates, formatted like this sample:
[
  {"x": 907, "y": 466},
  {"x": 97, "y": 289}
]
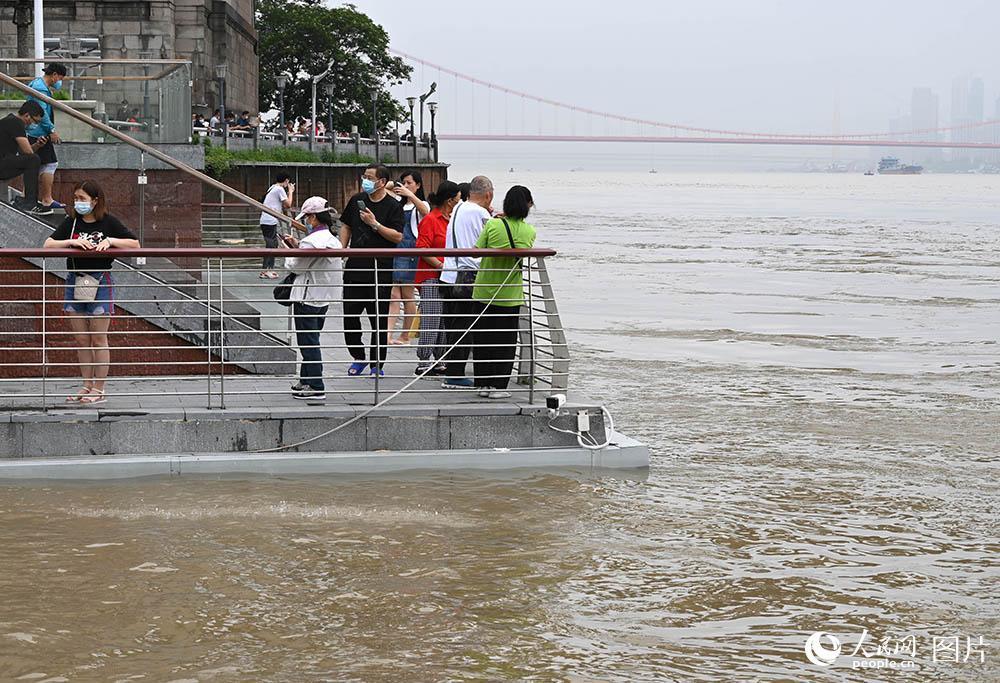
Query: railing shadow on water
[{"x": 219, "y": 339}]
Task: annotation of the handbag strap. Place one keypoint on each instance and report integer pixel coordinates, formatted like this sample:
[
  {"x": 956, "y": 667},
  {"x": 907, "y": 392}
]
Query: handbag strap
[
  {"x": 510, "y": 237},
  {"x": 454, "y": 223}
]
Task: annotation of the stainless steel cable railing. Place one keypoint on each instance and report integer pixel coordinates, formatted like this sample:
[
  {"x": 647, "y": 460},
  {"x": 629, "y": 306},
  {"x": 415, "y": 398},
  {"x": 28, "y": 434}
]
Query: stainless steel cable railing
[{"x": 224, "y": 341}]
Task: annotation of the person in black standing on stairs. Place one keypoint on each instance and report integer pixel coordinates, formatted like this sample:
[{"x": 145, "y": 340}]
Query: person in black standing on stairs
[
  {"x": 19, "y": 157},
  {"x": 368, "y": 281}
]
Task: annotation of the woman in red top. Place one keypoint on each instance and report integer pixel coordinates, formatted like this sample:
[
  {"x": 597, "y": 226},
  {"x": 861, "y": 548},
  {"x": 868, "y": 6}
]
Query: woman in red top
[{"x": 431, "y": 235}]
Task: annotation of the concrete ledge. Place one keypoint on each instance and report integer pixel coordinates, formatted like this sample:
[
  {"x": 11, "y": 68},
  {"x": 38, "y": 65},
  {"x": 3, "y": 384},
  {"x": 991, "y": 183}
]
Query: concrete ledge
[
  {"x": 625, "y": 454},
  {"x": 193, "y": 429}
]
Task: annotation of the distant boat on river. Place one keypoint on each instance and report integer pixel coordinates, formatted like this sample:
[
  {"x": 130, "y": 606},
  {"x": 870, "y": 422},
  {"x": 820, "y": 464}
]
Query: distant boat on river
[{"x": 891, "y": 166}]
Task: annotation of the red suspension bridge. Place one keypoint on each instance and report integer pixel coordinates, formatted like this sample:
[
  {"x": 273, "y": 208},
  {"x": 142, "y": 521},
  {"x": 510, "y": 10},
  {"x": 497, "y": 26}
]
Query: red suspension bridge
[{"x": 515, "y": 112}]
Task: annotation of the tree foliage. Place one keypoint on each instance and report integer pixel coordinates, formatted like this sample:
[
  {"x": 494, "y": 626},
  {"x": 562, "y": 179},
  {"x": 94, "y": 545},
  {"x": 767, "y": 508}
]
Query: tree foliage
[{"x": 300, "y": 38}]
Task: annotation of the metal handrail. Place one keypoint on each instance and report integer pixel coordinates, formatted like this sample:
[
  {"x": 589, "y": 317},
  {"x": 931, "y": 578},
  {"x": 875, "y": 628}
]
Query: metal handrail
[
  {"x": 151, "y": 151},
  {"x": 224, "y": 358},
  {"x": 210, "y": 252}
]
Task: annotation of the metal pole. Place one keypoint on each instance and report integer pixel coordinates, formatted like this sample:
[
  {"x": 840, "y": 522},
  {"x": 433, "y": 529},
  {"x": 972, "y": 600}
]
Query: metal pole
[
  {"x": 208, "y": 328},
  {"x": 413, "y": 137},
  {"x": 37, "y": 19},
  {"x": 312, "y": 122},
  {"x": 434, "y": 138},
  {"x": 222, "y": 108},
  {"x": 222, "y": 342},
  {"x": 45, "y": 365},
  {"x": 151, "y": 151},
  {"x": 378, "y": 331},
  {"x": 281, "y": 117},
  {"x": 329, "y": 124},
  {"x": 531, "y": 338},
  {"x": 142, "y": 200}
]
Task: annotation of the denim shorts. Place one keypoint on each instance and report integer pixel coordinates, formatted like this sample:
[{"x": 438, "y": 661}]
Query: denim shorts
[
  {"x": 404, "y": 268},
  {"x": 103, "y": 303}
]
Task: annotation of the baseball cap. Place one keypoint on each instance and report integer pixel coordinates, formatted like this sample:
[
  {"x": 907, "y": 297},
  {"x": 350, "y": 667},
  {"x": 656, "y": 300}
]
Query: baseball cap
[{"x": 313, "y": 205}]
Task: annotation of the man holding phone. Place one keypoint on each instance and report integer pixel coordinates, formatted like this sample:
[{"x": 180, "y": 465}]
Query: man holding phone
[
  {"x": 372, "y": 219},
  {"x": 18, "y": 157}
]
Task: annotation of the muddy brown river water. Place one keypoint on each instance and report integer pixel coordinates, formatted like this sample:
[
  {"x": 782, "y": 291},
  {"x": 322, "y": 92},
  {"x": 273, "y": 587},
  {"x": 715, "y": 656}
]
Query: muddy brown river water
[{"x": 813, "y": 362}]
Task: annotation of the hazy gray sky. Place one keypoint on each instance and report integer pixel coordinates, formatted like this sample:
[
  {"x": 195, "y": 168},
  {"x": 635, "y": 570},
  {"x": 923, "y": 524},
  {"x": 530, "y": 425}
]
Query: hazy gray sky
[{"x": 757, "y": 64}]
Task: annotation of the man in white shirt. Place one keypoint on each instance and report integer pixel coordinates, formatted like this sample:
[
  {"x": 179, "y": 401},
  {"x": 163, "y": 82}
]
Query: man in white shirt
[
  {"x": 278, "y": 198},
  {"x": 467, "y": 221}
]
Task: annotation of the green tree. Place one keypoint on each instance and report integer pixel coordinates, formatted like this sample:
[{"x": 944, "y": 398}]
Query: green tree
[{"x": 301, "y": 37}]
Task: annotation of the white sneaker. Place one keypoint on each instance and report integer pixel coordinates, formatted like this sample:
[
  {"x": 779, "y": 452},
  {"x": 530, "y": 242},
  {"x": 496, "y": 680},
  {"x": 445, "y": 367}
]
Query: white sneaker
[
  {"x": 498, "y": 394},
  {"x": 485, "y": 393}
]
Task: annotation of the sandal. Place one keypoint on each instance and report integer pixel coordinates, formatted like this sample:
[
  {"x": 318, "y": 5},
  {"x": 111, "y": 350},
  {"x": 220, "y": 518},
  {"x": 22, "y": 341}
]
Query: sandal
[
  {"x": 95, "y": 396},
  {"x": 356, "y": 369},
  {"x": 78, "y": 396}
]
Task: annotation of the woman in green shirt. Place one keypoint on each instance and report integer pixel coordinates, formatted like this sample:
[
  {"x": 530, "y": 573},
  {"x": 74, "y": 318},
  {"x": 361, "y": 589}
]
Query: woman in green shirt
[{"x": 499, "y": 294}]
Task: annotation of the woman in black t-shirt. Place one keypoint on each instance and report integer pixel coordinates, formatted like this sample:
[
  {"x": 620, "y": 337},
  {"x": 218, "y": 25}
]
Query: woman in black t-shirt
[{"x": 89, "y": 226}]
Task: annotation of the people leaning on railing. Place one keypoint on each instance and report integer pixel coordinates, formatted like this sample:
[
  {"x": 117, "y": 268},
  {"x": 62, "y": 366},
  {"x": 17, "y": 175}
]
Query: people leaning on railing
[
  {"x": 458, "y": 274},
  {"x": 317, "y": 285},
  {"x": 499, "y": 294},
  {"x": 432, "y": 232},
  {"x": 89, "y": 295}
]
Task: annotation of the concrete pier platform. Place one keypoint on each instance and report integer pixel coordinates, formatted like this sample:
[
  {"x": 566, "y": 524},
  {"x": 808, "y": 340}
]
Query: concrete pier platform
[{"x": 165, "y": 426}]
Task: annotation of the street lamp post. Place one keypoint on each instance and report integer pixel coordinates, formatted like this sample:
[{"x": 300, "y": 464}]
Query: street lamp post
[
  {"x": 329, "y": 116},
  {"x": 312, "y": 122},
  {"x": 432, "y": 107},
  {"x": 220, "y": 73},
  {"x": 282, "y": 82},
  {"x": 423, "y": 98},
  {"x": 412, "y": 101}
]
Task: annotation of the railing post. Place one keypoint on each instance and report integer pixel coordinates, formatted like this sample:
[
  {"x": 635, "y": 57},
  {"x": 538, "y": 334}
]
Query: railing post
[
  {"x": 208, "y": 330},
  {"x": 531, "y": 337},
  {"x": 560, "y": 351},
  {"x": 399, "y": 150},
  {"x": 378, "y": 330},
  {"x": 45, "y": 365},
  {"x": 357, "y": 144},
  {"x": 222, "y": 341}
]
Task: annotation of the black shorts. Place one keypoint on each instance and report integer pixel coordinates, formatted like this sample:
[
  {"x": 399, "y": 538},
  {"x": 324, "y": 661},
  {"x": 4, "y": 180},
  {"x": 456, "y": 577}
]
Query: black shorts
[{"x": 47, "y": 153}]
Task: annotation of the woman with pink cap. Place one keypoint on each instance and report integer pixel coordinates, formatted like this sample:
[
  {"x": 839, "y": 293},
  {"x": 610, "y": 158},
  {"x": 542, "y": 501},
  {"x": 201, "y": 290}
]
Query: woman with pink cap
[{"x": 317, "y": 285}]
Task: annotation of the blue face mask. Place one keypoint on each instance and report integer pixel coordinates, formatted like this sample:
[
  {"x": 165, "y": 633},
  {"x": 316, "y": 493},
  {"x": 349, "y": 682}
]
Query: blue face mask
[
  {"x": 367, "y": 186},
  {"x": 58, "y": 84},
  {"x": 82, "y": 208}
]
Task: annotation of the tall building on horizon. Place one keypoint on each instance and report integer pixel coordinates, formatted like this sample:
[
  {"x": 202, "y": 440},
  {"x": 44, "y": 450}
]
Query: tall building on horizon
[
  {"x": 967, "y": 103},
  {"x": 924, "y": 112}
]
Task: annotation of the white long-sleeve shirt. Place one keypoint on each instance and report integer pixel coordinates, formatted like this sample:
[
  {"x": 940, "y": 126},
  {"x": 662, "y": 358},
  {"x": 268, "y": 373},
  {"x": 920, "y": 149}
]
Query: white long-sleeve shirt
[
  {"x": 319, "y": 279},
  {"x": 467, "y": 221}
]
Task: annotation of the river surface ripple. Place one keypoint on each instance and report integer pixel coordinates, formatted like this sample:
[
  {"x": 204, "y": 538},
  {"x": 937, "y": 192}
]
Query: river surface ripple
[{"x": 813, "y": 362}]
